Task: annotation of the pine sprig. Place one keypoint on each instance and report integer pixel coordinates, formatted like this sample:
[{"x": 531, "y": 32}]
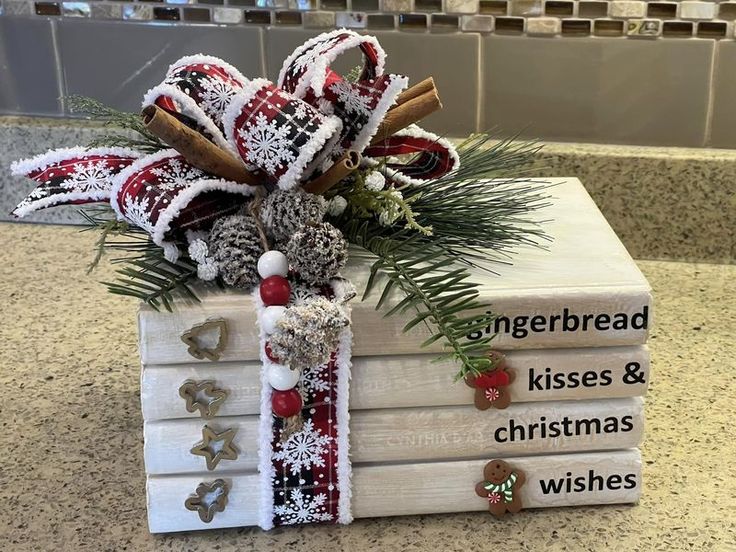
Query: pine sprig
[
  {"x": 145, "y": 273},
  {"x": 134, "y": 133},
  {"x": 474, "y": 221},
  {"x": 155, "y": 281}
]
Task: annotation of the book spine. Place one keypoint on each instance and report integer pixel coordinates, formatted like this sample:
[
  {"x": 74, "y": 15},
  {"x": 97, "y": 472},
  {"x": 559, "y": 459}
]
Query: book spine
[
  {"x": 417, "y": 380},
  {"x": 532, "y": 319},
  {"x": 580, "y": 479},
  {"x": 421, "y": 434}
]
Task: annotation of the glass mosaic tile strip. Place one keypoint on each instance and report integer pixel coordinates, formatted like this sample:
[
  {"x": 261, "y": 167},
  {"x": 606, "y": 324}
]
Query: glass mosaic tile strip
[{"x": 569, "y": 18}]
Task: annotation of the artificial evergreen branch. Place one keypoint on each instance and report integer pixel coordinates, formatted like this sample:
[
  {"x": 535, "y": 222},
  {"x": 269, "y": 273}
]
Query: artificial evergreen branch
[
  {"x": 155, "y": 281},
  {"x": 474, "y": 220},
  {"x": 145, "y": 273},
  {"x": 135, "y": 136}
]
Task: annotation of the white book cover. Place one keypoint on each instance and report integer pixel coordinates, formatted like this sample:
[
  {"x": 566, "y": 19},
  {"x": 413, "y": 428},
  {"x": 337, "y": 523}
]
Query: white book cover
[
  {"x": 420, "y": 434},
  {"x": 413, "y": 380},
  {"x": 581, "y": 290},
  {"x": 610, "y": 477}
]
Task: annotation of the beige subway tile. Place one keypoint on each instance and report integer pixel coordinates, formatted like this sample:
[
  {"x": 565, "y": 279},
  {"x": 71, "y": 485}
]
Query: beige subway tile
[
  {"x": 461, "y": 6},
  {"x": 543, "y": 26},
  {"x": 477, "y": 23},
  {"x": 723, "y": 115},
  {"x": 697, "y": 10},
  {"x": 318, "y": 19},
  {"x": 397, "y": 5},
  {"x": 626, "y": 8},
  {"x": 526, "y": 7}
]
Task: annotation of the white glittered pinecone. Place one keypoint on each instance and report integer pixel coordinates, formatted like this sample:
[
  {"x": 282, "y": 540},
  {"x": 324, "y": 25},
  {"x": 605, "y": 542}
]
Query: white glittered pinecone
[
  {"x": 317, "y": 252},
  {"x": 284, "y": 212},
  {"x": 235, "y": 246},
  {"x": 307, "y": 334}
]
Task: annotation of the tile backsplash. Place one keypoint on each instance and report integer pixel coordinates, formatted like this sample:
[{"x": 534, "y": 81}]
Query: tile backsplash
[{"x": 616, "y": 71}]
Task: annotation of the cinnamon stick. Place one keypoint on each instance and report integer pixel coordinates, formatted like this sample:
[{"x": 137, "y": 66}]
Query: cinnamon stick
[
  {"x": 417, "y": 90},
  {"x": 195, "y": 148},
  {"x": 407, "y": 113},
  {"x": 349, "y": 161}
]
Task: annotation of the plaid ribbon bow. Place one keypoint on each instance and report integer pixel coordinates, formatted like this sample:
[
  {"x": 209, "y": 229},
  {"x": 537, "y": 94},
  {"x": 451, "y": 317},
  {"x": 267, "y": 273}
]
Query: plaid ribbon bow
[{"x": 285, "y": 133}]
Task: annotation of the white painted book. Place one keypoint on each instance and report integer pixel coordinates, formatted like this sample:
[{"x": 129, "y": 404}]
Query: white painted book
[
  {"x": 582, "y": 290},
  {"x": 574, "y": 322}
]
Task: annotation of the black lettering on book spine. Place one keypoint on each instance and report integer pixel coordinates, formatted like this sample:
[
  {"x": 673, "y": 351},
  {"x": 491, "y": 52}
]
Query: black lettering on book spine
[
  {"x": 521, "y": 326},
  {"x": 566, "y": 427},
  {"x": 551, "y": 381},
  {"x": 590, "y": 482}
]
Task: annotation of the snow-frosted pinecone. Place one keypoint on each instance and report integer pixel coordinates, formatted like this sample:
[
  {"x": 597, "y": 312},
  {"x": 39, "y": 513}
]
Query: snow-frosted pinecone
[
  {"x": 317, "y": 252},
  {"x": 235, "y": 246},
  {"x": 307, "y": 334},
  {"x": 284, "y": 212}
]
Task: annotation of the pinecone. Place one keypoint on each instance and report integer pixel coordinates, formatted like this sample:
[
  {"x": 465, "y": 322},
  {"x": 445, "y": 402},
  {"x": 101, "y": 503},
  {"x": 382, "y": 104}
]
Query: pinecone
[
  {"x": 285, "y": 212},
  {"x": 317, "y": 252},
  {"x": 307, "y": 334},
  {"x": 235, "y": 246}
]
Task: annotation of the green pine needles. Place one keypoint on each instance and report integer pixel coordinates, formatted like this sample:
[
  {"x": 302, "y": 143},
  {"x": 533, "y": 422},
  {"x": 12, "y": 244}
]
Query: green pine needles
[{"x": 474, "y": 222}]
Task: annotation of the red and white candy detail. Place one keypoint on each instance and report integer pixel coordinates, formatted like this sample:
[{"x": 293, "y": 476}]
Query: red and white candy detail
[{"x": 275, "y": 291}]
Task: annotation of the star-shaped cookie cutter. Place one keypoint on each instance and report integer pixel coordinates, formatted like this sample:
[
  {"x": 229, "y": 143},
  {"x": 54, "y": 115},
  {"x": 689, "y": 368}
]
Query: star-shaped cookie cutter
[
  {"x": 195, "y": 348},
  {"x": 209, "y": 498},
  {"x": 203, "y": 396},
  {"x": 216, "y": 446}
]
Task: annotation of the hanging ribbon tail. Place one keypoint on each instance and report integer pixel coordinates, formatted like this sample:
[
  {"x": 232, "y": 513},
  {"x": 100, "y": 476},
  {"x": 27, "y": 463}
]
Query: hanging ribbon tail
[
  {"x": 361, "y": 105},
  {"x": 197, "y": 90},
  {"x": 432, "y": 156},
  {"x": 166, "y": 196},
  {"x": 282, "y": 137},
  {"x": 71, "y": 176}
]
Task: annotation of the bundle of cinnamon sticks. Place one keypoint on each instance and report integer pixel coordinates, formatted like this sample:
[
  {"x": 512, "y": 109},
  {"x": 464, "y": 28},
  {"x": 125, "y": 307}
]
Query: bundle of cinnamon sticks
[{"x": 412, "y": 105}]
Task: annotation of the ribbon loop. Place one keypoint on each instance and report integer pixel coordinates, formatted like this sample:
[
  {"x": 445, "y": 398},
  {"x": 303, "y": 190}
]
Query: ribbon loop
[
  {"x": 197, "y": 90},
  {"x": 71, "y": 176},
  {"x": 166, "y": 196},
  {"x": 283, "y": 137},
  {"x": 360, "y": 105},
  {"x": 432, "y": 156}
]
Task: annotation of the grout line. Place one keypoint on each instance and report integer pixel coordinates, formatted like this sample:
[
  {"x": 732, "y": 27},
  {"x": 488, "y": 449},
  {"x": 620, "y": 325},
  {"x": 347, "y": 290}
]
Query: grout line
[
  {"x": 60, "y": 78},
  {"x": 711, "y": 96},
  {"x": 262, "y": 39},
  {"x": 479, "y": 104}
]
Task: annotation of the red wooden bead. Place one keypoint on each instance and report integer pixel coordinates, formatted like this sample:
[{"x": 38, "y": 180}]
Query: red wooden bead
[
  {"x": 269, "y": 353},
  {"x": 275, "y": 290},
  {"x": 286, "y": 404}
]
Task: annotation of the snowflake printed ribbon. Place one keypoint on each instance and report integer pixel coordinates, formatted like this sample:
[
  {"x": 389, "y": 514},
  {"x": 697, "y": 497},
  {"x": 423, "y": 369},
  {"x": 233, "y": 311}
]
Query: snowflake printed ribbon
[
  {"x": 305, "y": 478},
  {"x": 285, "y": 134},
  {"x": 71, "y": 176}
]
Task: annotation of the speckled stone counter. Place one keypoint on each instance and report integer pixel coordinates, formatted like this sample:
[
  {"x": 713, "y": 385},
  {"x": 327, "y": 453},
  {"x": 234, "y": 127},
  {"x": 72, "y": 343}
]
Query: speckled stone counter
[
  {"x": 664, "y": 203},
  {"x": 71, "y": 474}
]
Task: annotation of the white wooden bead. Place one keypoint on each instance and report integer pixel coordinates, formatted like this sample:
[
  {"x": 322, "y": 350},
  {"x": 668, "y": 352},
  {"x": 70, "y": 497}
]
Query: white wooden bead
[
  {"x": 282, "y": 378},
  {"x": 271, "y": 316},
  {"x": 273, "y": 263}
]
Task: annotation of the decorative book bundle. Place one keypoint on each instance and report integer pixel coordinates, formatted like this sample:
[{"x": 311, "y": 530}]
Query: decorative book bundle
[{"x": 267, "y": 398}]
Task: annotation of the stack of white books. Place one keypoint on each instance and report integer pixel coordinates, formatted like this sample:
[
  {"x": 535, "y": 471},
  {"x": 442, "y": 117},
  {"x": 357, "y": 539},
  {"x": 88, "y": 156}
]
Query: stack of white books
[{"x": 573, "y": 324}]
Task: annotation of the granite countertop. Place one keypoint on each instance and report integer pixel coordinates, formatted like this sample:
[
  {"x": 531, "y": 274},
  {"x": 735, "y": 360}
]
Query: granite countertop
[{"x": 72, "y": 473}]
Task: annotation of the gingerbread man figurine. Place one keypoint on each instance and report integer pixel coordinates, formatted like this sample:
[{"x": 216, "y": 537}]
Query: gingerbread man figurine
[
  {"x": 491, "y": 388},
  {"x": 501, "y": 487}
]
